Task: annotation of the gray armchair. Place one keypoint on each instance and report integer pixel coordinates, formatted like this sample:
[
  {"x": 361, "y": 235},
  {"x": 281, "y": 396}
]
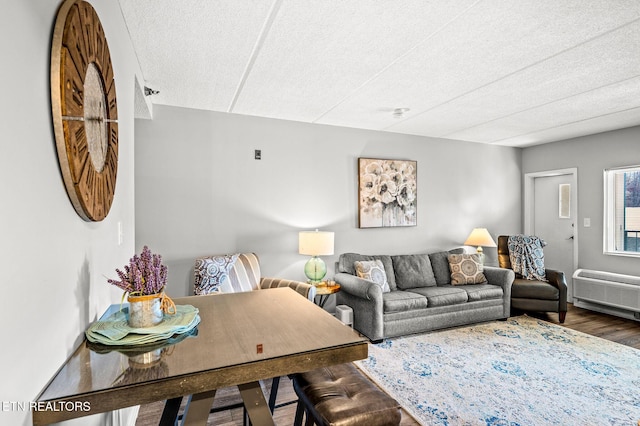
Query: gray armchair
[{"x": 533, "y": 295}]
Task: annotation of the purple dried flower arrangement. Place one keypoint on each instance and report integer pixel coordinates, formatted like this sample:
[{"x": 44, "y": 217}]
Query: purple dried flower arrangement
[{"x": 144, "y": 275}]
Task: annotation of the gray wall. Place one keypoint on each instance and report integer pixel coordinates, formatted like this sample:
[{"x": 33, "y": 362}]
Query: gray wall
[
  {"x": 590, "y": 155},
  {"x": 53, "y": 263},
  {"x": 199, "y": 191}
]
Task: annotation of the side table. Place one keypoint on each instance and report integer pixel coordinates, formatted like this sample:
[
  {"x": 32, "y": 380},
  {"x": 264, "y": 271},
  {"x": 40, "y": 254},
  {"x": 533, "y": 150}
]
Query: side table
[{"x": 324, "y": 290}]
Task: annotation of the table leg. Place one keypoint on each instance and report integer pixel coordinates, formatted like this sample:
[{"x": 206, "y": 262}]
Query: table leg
[
  {"x": 323, "y": 299},
  {"x": 170, "y": 412},
  {"x": 199, "y": 407},
  {"x": 256, "y": 405},
  {"x": 275, "y": 383}
]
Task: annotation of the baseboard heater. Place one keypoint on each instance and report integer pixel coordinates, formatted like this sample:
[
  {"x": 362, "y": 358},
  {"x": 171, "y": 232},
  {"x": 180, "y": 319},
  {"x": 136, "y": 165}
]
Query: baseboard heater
[{"x": 618, "y": 291}]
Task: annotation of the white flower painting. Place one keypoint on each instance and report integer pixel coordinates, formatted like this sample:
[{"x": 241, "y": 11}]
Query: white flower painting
[{"x": 387, "y": 193}]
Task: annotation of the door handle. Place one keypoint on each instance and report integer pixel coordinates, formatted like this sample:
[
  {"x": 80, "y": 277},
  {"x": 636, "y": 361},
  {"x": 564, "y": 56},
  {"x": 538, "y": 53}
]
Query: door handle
[{"x": 570, "y": 238}]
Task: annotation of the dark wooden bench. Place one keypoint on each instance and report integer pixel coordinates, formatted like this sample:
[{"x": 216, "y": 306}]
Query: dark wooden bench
[{"x": 341, "y": 395}]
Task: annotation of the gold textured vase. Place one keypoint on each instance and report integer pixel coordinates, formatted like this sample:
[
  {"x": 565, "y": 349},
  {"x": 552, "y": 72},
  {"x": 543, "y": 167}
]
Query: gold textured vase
[{"x": 145, "y": 311}]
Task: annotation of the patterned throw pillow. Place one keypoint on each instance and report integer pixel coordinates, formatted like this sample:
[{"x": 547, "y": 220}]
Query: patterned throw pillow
[
  {"x": 372, "y": 270},
  {"x": 466, "y": 269},
  {"x": 210, "y": 272}
]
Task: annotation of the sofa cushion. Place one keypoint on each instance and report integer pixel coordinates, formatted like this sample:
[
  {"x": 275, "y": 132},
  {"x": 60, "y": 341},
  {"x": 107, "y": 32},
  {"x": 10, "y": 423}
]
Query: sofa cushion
[
  {"x": 346, "y": 260},
  {"x": 413, "y": 270},
  {"x": 372, "y": 270},
  {"x": 440, "y": 265},
  {"x": 533, "y": 289},
  {"x": 401, "y": 301},
  {"x": 466, "y": 269},
  {"x": 477, "y": 292},
  {"x": 442, "y": 295}
]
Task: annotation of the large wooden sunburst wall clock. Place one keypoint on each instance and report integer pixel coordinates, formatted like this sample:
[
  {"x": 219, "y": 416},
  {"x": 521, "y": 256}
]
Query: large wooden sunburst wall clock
[{"x": 84, "y": 109}]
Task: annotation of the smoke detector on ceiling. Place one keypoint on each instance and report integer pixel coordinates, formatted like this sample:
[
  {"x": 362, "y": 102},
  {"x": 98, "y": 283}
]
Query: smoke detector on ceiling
[{"x": 399, "y": 112}]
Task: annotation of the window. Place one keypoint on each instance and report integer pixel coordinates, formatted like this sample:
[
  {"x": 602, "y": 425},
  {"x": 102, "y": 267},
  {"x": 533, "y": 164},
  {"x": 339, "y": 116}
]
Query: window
[{"x": 622, "y": 211}]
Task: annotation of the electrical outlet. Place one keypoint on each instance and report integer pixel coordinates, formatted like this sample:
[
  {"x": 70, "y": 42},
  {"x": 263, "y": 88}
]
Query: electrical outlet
[
  {"x": 257, "y": 154},
  {"x": 587, "y": 222}
]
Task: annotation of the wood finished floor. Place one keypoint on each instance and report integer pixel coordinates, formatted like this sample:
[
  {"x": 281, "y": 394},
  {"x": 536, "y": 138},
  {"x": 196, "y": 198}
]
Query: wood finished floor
[{"x": 620, "y": 330}]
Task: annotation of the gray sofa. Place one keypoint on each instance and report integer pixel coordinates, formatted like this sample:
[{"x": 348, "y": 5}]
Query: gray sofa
[{"x": 421, "y": 297}]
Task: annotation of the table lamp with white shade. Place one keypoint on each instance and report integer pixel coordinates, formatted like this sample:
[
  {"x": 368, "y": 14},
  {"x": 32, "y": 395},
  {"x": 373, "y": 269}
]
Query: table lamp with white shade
[
  {"x": 314, "y": 244},
  {"x": 480, "y": 237}
]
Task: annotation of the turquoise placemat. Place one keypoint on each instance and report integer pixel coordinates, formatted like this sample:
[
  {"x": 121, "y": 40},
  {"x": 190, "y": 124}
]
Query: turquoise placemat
[{"x": 114, "y": 330}]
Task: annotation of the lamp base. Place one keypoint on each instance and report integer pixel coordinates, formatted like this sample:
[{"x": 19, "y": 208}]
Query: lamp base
[
  {"x": 315, "y": 269},
  {"x": 480, "y": 254}
]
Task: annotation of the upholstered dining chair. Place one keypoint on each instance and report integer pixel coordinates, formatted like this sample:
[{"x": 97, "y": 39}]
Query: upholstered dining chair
[
  {"x": 240, "y": 272},
  {"x": 533, "y": 294}
]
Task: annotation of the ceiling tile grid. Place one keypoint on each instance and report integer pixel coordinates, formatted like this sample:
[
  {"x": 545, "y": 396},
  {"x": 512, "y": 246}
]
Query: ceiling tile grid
[
  {"x": 583, "y": 127},
  {"x": 588, "y": 67},
  {"x": 325, "y": 52},
  {"x": 605, "y": 101},
  {"x": 490, "y": 71},
  {"x": 194, "y": 52},
  {"x": 477, "y": 50}
]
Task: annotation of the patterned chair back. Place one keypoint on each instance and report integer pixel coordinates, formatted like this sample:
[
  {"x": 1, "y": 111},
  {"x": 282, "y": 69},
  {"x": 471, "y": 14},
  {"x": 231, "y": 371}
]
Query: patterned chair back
[
  {"x": 240, "y": 272},
  {"x": 228, "y": 273}
]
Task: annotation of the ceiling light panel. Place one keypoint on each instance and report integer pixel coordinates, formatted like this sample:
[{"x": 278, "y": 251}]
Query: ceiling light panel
[
  {"x": 316, "y": 53},
  {"x": 490, "y": 42}
]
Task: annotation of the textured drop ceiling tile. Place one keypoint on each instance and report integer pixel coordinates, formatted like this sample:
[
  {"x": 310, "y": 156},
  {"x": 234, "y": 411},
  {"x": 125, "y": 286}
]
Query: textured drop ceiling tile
[
  {"x": 587, "y": 67},
  {"x": 194, "y": 52},
  {"x": 462, "y": 66},
  {"x": 585, "y": 127},
  {"x": 318, "y": 52},
  {"x": 488, "y": 43},
  {"x": 602, "y": 104}
]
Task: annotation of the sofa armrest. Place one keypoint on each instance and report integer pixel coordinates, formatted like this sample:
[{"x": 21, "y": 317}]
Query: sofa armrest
[
  {"x": 503, "y": 278},
  {"x": 557, "y": 279},
  {"x": 499, "y": 276},
  {"x": 365, "y": 298},
  {"x": 306, "y": 290},
  {"x": 358, "y": 287}
]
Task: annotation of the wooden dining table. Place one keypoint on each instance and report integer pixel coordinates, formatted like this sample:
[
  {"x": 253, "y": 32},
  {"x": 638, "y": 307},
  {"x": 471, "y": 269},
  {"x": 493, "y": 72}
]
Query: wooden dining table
[{"x": 242, "y": 338}]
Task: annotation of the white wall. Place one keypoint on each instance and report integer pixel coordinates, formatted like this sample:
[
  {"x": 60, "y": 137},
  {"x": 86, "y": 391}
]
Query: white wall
[
  {"x": 53, "y": 263},
  {"x": 590, "y": 155},
  {"x": 199, "y": 191}
]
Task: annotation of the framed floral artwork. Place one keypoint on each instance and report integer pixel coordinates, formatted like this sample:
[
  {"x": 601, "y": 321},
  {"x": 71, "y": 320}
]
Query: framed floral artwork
[{"x": 387, "y": 193}]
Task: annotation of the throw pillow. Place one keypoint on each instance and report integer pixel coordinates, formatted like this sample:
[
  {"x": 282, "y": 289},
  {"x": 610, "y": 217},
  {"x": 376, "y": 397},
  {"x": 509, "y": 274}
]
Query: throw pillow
[
  {"x": 372, "y": 270},
  {"x": 211, "y": 272},
  {"x": 466, "y": 269},
  {"x": 347, "y": 261},
  {"x": 413, "y": 270}
]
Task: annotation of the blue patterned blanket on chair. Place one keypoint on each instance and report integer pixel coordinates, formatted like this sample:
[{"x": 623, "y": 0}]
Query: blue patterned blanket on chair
[{"x": 527, "y": 257}]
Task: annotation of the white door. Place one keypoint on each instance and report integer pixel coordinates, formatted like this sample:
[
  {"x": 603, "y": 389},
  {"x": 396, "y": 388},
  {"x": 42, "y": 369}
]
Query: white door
[{"x": 554, "y": 220}]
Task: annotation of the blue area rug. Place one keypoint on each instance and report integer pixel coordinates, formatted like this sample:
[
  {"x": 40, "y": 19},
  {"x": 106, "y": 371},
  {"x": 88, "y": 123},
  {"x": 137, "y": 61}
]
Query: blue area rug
[{"x": 522, "y": 371}]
